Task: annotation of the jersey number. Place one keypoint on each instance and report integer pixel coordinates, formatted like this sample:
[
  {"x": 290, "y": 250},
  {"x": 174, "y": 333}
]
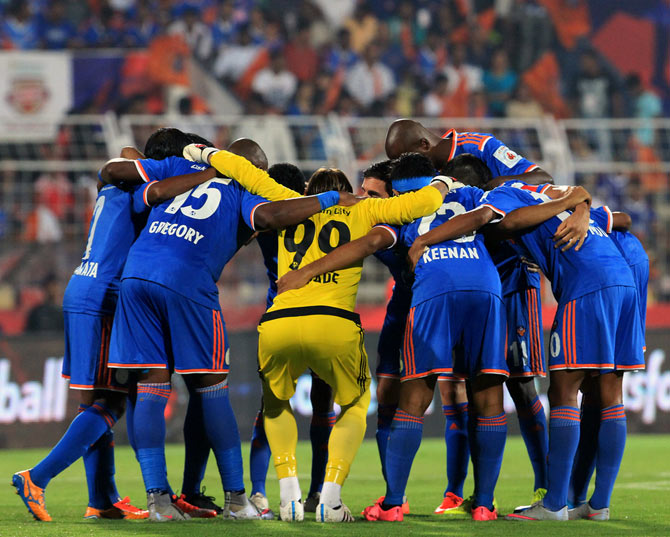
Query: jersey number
[
  {"x": 99, "y": 204},
  {"x": 450, "y": 207},
  {"x": 324, "y": 239},
  {"x": 212, "y": 200}
]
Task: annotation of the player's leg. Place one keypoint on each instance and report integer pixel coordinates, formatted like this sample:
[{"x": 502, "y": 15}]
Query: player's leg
[
  {"x": 388, "y": 392},
  {"x": 259, "y": 460},
  {"x": 196, "y": 453},
  {"x": 321, "y": 425},
  {"x": 533, "y": 425},
  {"x": 585, "y": 459},
  {"x": 455, "y": 409}
]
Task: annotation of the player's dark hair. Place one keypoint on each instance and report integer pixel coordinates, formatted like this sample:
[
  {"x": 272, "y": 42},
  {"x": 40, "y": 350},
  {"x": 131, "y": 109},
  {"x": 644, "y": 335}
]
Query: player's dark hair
[
  {"x": 411, "y": 165},
  {"x": 289, "y": 175},
  {"x": 468, "y": 169},
  {"x": 327, "y": 179},
  {"x": 166, "y": 142},
  {"x": 197, "y": 139},
  {"x": 382, "y": 171}
]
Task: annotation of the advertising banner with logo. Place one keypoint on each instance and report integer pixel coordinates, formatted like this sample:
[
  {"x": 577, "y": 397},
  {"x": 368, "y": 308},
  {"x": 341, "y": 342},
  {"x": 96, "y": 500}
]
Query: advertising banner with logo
[
  {"x": 35, "y": 91},
  {"x": 36, "y": 406}
]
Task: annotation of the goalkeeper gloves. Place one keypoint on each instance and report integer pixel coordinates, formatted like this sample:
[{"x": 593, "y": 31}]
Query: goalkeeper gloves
[{"x": 198, "y": 152}]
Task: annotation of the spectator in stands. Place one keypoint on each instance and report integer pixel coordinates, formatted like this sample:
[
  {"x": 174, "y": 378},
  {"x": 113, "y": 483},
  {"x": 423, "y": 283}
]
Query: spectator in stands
[
  {"x": 392, "y": 54},
  {"x": 142, "y": 27},
  {"x": 257, "y": 26},
  {"x": 528, "y": 32},
  {"x": 304, "y": 100},
  {"x": 19, "y": 28},
  {"x": 646, "y": 105},
  {"x": 233, "y": 61},
  {"x": 301, "y": 57},
  {"x": 55, "y": 30},
  {"x": 370, "y": 81},
  {"x": 225, "y": 25},
  {"x": 275, "y": 84},
  {"x": 463, "y": 79},
  {"x": 198, "y": 36},
  {"x": 435, "y": 104},
  {"x": 499, "y": 82},
  {"x": 638, "y": 206},
  {"x": 48, "y": 316},
  {"x": 432, "y": 56},
  {"x": 594, "y": 91},
  {"x": 362, "y": 26},
  {"x": 340, "y": 55},
  {"x": 523, "y": 105}
]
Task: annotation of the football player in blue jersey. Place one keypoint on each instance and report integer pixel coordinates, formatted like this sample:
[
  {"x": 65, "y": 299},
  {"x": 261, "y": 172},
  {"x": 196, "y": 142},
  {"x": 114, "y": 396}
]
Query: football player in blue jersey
[
  {"x": 89, "y": 305},
  {"x": 596, "y": 330},
  {"x": 406, "y": 135},
  {"x": 169, "y": 317},
  {"x": 617, "y": 225}
]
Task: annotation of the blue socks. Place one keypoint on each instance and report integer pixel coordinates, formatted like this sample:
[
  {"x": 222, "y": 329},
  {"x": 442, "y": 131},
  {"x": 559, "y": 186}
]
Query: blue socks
[
  {"x": 490, "y": 436},
  {"x": 533, "y": 425},
  {"x": 458, "y": 451},
  {"x": 385, "y": 415},
  {"x": 85, "y": 429},
  {"x": 100, "y": 469},
  {"x": 563, "y": 441},
  {"x": 196, "y": 446},
  {"x": 223, "y": 434},
  {"x": 611, "y": 443},
  {"x": 585, "y": 459},
  {"x": 403, "y": 443},
  {"x": 149, "y": 429},
  {"x": 259, "y": 456},
  {"x": 319, "y": 432}
]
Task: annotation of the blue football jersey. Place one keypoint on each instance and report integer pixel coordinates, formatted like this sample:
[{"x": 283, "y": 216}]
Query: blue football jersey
[
  {"x": 597, "y": 265},
  {"x": 117, "y": 220},
  {"x": 500, "y": 159},
  {"x": 268, "y": 243},
  {"x": 628, "y": 244},
  {"x": 188, "y": 240},
  {"x": 395, "y": 260},
  {"x": 463, "y": 264}
]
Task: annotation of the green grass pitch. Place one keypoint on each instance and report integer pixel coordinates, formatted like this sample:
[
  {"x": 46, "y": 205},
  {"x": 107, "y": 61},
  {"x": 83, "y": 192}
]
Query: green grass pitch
[{"x": 640, "y": 504}]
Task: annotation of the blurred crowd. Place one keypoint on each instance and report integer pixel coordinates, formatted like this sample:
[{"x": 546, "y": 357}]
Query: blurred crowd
[{"x": 459, "y": 58}]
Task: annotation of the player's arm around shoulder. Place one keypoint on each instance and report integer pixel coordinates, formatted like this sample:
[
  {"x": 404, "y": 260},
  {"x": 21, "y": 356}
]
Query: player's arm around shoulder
[{"x": 406, "y": 208}]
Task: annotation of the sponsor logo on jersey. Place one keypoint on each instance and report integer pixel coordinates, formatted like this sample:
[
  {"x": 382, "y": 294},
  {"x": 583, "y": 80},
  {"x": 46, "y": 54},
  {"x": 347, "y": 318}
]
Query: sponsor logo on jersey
[{"x": 508, "y": 157}]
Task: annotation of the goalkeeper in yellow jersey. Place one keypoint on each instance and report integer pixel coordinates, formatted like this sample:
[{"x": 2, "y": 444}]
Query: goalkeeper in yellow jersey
[{"x": 315, "y": 327}]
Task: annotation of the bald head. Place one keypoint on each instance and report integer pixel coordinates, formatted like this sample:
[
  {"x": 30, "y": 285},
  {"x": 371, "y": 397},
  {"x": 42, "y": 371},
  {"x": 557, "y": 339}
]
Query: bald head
[
  {"x": 409, "y": 136},
  {"x": 250, "y": 150}
]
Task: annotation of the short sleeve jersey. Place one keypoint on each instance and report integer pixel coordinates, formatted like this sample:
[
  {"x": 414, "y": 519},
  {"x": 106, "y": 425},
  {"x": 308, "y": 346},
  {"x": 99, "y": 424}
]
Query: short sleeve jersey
[
  {"x": 462, "y": 264},
  {"x": 117, "y": 220},
  {"x": 188, "y": 240},
  {"x": 319, "y": 235},
  {"x": 500, "y": 159},
  {"x": 597, "y": 265}
]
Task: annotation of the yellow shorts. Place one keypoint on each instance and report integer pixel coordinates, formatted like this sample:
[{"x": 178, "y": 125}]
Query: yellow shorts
[{"x": 327, "y": 340}]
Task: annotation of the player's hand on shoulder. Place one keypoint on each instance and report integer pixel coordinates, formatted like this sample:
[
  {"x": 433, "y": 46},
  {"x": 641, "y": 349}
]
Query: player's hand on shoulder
[
  {"x": 347, "y": 199},
  {"x": 415, "y": 252},
  {"x": 532, "y": 267},
  {"x": 293, "y": 279},
  {"x": 573, "y": 230}
]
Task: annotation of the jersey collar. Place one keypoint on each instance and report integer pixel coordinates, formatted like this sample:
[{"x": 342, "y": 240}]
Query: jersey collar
[{"x": 451, "y": 133}]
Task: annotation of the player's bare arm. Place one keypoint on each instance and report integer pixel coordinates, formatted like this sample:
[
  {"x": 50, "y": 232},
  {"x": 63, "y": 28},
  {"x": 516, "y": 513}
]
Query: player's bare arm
[
  {"x": 159, "y": 191},
  {"x": 537, "y": 177},
  {"x": 130, "y": 152},
  {"x": 281, "y": 214},
  {"x": 342, "y": 257},
  {"x": 621, "y": 221}
]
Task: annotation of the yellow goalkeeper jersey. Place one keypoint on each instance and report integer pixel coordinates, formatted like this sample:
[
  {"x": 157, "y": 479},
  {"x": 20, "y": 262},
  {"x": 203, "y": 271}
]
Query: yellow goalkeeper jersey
[{"x": 314, "y": 238}]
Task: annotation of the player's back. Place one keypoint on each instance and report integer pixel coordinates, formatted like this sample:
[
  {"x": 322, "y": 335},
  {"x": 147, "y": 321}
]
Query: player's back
[
  {"x": 597, "y": 265},
  {"x": 188, "y": 240},
  {"x": 457, "y": 265},
  {"x": 117, "y": 219}
]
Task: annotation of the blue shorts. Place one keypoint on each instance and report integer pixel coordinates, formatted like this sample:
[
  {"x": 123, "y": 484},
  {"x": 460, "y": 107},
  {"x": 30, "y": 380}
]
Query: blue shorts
[
  {"x": 525, "y": 341},
  {"x": 471, "y": 323},
  {"x": 389, "y": 357},
  {"x": 87, "y": 352},
  {"x": 156, "y": 328},
  {"x": 600, "y": 330}
]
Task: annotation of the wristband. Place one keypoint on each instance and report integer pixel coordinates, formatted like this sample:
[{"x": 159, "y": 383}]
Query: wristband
[
  {"x": 207, "y": 152},
  {"x": 100, "y": 177},
  {"x": 328, "y": 199}
]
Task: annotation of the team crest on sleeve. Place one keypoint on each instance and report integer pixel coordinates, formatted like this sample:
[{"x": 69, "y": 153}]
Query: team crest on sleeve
[
  {"x": 521, "y": 330},
  {"x": 508, "y": 157}
]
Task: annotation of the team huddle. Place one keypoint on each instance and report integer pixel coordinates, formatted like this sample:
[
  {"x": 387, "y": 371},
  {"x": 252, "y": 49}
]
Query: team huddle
[{"x": 465, "y": 226}]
